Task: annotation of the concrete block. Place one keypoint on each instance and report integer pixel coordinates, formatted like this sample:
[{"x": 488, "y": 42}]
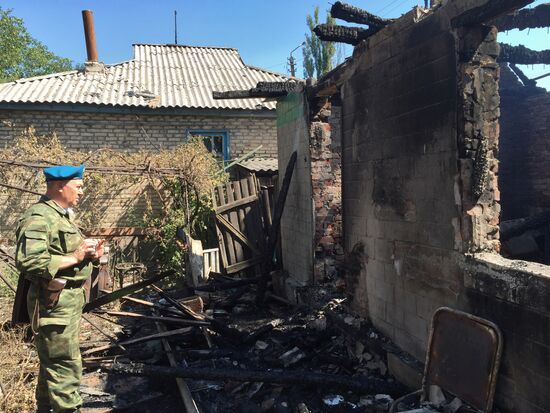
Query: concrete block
[{"x": 404, "y": 372}]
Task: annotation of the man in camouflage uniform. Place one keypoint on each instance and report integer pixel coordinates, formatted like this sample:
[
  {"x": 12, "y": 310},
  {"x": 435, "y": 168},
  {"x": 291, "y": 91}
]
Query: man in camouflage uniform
[{"x": 54, "y": 255}]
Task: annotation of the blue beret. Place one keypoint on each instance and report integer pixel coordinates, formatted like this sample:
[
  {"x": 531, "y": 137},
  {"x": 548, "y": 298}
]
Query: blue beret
[{"x": 64, "y": 172}]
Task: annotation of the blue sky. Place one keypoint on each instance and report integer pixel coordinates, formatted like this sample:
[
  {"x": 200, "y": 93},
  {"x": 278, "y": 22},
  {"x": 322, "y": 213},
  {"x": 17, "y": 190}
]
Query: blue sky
[{"x": 264, "y": 31}]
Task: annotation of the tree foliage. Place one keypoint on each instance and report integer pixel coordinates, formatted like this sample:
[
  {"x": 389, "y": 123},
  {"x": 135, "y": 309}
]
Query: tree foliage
[
  {"x": 317, "y": 53},
  {"x": 21, "y": 55}
]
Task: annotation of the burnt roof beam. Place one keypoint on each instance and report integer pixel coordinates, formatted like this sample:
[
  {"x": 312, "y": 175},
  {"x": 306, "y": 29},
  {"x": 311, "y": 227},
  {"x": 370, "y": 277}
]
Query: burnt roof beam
[
  {"x": 489, "y": 11},
  {"x": 352, "y": 14},
  {"x": 262, "y": 90},
  {"x": 343, "y": 34},
  {"x": 525, "y": 19},
  {"x": 522, "y": 55}
]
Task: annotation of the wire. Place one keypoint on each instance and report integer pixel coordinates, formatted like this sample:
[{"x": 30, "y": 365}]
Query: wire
[
  {"x": 395, "y": 7},
  {"x": 386, "y": 6}
]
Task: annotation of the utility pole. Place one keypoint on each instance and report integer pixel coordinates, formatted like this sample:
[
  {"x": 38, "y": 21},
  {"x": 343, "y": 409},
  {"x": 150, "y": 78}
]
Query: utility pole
[
  {"x": 292, "y": 65},
  {"x": 292, "y": 61},
  {"x": 175, "y": 27}
]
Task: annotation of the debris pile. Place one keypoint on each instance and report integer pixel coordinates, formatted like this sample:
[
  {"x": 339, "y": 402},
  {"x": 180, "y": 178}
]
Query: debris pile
[{"x": 227, "y": 353}]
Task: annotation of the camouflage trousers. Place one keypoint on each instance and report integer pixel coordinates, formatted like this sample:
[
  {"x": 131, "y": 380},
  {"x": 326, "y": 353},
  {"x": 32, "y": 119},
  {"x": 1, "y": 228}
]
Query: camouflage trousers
[{"x": 57, "y": 333}]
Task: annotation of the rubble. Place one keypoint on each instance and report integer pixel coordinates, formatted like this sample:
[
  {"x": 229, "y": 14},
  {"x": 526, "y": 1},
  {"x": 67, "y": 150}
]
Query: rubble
[{"x": 274, "y": 358}]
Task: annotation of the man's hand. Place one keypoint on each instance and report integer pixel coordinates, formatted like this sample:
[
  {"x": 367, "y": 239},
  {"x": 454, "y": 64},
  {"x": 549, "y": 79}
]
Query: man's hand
[
  {"x": 99, "y": 249},
  {"x": 90, "y": 248}
]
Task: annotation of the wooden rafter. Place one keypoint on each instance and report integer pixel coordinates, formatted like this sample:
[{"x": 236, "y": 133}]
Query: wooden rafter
[
  {"x": 343, "y": 34},
  {"x": 489, "y": 11},
  {"x": 262, "y": 90},
  {"x": 525, "y": 19},
  {"x": 522, "y": 55},
  {"x": 352, "y": 14}
]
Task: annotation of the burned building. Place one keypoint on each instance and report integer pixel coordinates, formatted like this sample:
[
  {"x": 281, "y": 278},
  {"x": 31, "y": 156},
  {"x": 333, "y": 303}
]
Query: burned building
[{"x": 409, "y": 159}]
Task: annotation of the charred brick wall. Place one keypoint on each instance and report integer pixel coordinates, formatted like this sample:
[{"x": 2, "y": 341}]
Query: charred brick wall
[
  {"x": 326, "y": 181},
  {"x": 400, "y": 176},
  {"x": 420, "y": 119},
  {"x": 524, "y": 175},
  {"x": 89, "y": 131}
]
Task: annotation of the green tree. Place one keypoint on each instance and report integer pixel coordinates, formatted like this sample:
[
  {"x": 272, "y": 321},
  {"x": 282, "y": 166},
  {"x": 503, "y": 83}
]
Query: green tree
[
  {"x": 317, "y": 53},
  {"x": 21, "y": 55}
]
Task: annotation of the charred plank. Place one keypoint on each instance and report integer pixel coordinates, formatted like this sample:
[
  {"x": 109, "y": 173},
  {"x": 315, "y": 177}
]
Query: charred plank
[
  {"x": 525, "y": 19},
  {"x": 368, "y": 385},
  {"x": 352, "y": 14},
  {"x": 262, "y": 90},
  {"x": 509, "y": 229},
  {"x": 115, "y": 295},
  {"x": 522, "y": 55},
  {"x": 342, "y": 34},
  {"x": 490, "y": 10}
]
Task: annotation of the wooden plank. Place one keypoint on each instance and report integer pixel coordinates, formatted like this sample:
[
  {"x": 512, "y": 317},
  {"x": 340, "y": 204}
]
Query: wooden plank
[
  {"x": 243, "y": 265},
  {"x": 238, "y": 234},
  {"x": 257, "y": 227},
  {"x": 227, "y": 240},
  {"x": 185, "y": 393},
  {"x": 245, "y": 214},
  {"x": 234, "y": 219},
  {"x": 236, "y": 204},
  {"x": 185, "y": 330},
  {"x": 240, "y": 218}
]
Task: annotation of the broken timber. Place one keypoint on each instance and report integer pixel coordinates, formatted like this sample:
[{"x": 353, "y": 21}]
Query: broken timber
[
  {"x": 522, "y": 55},
  {"x": 174, "y": 320},
  {"x": 352, "y": 14},
  {"x": 510, "y": 229},
  {"x": 489, "y": 11},
  {"x": 525, "y": 19},
  {"x": 343, "y": 34},
  {"x": 369, "y": 385},
  {"x": 262, "y": 90},
  {"x": 184, "y": 330},
  {"x": 115, "y": 295},
  {"x": 183, "y": 388}
]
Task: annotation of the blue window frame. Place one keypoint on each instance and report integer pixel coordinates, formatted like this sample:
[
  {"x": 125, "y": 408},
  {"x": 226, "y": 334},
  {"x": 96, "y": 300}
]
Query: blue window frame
[{"x": 215, "y": 140}]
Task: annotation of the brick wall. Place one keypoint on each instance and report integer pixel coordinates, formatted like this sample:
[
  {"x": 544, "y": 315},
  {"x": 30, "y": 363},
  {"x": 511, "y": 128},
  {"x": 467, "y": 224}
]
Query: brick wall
[
  {"x": 524, "y": 175},
  {"x": 297, "y": 227},
  {"x": 420, "y": 137},
  {"x": 89, "y": 131},
  {"x": 326, "y": 180},
  {"x": 399, "y": 173}
]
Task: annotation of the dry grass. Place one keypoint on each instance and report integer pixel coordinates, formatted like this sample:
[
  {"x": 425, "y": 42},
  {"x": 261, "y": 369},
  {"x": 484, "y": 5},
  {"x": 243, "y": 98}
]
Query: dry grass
[{"x": 18, "y": 371}]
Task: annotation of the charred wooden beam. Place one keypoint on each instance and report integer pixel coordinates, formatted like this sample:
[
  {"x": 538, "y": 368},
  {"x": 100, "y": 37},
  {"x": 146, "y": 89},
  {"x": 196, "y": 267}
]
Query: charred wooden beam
[
  {"x": 262, "y": 90},
  {"x": 352, "y": 14},
  {"x": 509, "y": 229},
  {"x": 342, "y": 34},
  {"x": 525, "y": 19},
  {"x": 368, "y": 385},
  {"x": 229, "y": 284},
  {"x": 524, "y": 79},
  {"x": 115, "y": 295},
  {"x": 522, "y": 55},
  {"x": 489, "y": 11}
]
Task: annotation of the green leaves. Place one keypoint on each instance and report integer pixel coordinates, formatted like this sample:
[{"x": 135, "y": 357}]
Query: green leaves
[
  {"x": 317, "y": 54},
  {"x": 23, "y": 56}
]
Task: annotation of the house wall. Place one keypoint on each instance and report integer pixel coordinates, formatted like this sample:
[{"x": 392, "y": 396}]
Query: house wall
[
  {"x": 297, "y": 223},
  {"x": 524, "y": 173},
  {"x": 420, "y": 129},
  {"x": 89, "y": 131},
  {"x": 125, "y": 132}
]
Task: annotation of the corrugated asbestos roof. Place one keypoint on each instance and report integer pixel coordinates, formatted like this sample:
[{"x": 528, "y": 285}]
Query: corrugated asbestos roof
[
  {"x": 159, "y": 76},
  {"x": 260, "y": 164}
]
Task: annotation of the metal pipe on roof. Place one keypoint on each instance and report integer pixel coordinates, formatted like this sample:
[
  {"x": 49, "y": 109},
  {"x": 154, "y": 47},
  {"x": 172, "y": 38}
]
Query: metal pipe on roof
[{"x": 89, "y": 34}]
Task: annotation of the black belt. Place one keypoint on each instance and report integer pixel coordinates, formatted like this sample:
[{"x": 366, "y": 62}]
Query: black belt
[{"x": 74, "y": 283}]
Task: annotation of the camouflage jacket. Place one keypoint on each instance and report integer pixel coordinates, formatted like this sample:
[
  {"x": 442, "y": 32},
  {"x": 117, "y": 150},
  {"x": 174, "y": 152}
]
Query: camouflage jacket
[{"x": 44, "y": 234}]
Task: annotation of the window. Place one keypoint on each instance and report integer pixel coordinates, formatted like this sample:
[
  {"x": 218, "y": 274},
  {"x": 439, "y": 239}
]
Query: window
[{"x": 216, "y": 141}]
